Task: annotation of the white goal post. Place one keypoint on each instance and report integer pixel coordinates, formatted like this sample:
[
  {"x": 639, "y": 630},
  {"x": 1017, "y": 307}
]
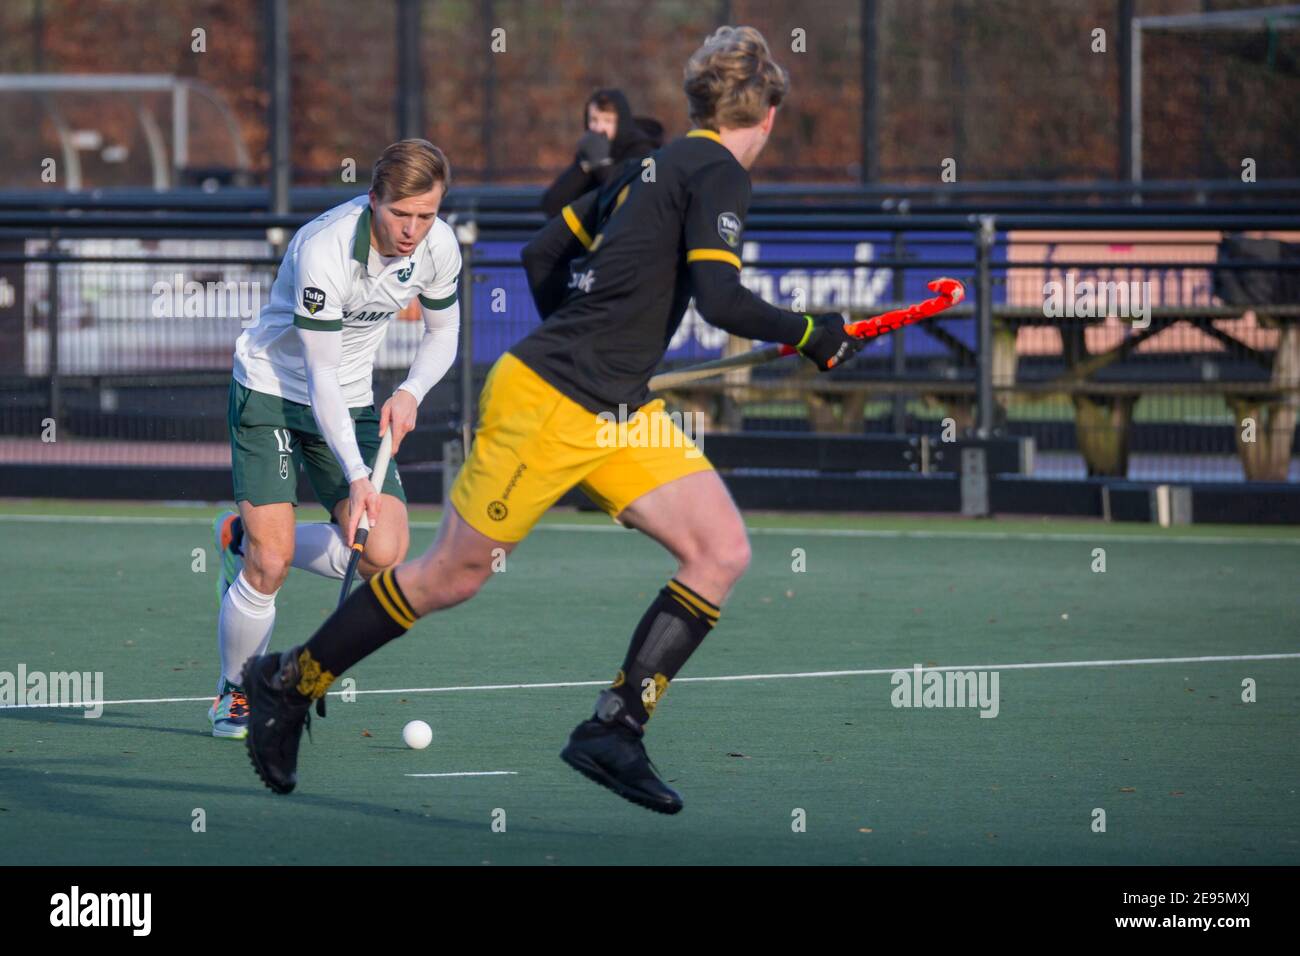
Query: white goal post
[
  {"x": 165, "y": 172},
  {"x": 1285, "y": 17}
]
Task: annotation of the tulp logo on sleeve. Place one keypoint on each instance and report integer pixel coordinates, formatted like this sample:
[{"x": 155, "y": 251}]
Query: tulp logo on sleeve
[
  {"x": 729, "y": 228},
  {"x": 133, "y": 910},
  {"x": 313, "y": 299}
]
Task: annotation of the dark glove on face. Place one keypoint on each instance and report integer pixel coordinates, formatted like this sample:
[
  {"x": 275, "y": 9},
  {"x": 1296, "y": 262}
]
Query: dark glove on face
[
  {"x": 826, "y": 343},
  {"x": 593, "y": 150}
]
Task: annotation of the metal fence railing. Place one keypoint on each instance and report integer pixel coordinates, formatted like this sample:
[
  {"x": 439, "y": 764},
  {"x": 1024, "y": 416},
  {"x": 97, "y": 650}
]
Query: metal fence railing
[{"x": 1125, "y": 345}]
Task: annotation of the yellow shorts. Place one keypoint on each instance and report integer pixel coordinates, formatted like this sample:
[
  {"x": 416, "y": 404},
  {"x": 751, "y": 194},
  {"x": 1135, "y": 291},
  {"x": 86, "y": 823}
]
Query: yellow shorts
[{"x": 534, "y": 443}]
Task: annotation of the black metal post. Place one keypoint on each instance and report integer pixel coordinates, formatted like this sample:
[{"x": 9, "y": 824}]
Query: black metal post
[
  {"x": 900, "y": 354},
  {"x": 1207, "y": 153},
  {"x": 985, "y": 237},
  {"x": 869, "y": 24},
  {"x": 466, "y": 233},
  {"x": 1126, "y": 118},
  {"x": 489, "y": 98},
  {"x": 961, "y": 15},
  {"x": 410, "y": 72},
  {"x": 277, "y": 13},
  {"x": 55, "y": 395}
]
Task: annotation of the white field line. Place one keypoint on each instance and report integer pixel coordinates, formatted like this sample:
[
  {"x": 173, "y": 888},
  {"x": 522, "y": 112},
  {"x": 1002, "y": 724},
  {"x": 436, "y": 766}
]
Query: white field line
[
  {"x": 468, "y": 773},
  {"x": 804, "y": 532},
  {"x": 865, "y": 672}
]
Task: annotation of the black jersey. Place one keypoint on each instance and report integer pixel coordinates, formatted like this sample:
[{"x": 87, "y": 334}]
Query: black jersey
[{"x": 665, "y": 234}]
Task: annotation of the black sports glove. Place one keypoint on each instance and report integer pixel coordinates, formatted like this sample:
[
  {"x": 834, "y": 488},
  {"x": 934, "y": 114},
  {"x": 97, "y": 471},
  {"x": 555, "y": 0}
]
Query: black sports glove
[
  {"x": 593, "y": 151},
  {"x": 827, "y": 344}
]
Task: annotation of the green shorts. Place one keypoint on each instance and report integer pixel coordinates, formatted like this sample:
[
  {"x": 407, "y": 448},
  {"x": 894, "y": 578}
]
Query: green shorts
[{"x": 272, "y": 437}]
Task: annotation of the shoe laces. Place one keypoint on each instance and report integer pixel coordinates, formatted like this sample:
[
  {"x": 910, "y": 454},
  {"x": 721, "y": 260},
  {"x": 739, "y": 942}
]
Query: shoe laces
[
  {"x": 658, "y": 773},
  {"x": 638, "y": 740},
  {"x": 238, "y": 704},
  {"x": 290, "y": 711}
]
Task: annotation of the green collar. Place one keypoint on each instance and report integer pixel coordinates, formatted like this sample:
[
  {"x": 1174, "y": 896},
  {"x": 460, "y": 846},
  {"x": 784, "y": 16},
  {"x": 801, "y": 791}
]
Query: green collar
[{"x": 361, "y": 244}]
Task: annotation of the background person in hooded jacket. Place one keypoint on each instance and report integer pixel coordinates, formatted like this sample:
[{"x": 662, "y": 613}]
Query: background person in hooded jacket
[{"x": 613, "y": 136}]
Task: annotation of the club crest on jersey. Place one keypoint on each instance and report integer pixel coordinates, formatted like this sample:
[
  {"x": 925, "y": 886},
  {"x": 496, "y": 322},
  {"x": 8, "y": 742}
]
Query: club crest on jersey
[
  {"x": 313, "y": 299},
  {"x": 729, "y": 228},
  {"x": 404, "y": 274}
]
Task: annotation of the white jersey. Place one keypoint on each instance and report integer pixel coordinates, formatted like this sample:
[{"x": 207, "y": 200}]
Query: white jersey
[{"x": 332, "y": 280}]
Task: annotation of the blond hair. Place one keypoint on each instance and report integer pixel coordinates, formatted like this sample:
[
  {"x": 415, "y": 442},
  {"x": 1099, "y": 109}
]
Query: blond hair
[
  {"x": 732, "y": 79},
  {"x": 408, "y": 168}
]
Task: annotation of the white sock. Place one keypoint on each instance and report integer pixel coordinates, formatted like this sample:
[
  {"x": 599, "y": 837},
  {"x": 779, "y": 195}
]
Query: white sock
[
  {"x": 320, "y": 549},
  {"x": 243, "y": 627}
]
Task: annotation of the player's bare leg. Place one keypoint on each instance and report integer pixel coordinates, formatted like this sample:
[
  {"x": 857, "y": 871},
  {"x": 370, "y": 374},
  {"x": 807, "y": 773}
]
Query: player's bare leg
[
  {"x": 247, "y": 613},
  {"x": 453, "y": 569},
  {"x": 268, "y": 543},
  {"x": 390, "y": 536},
  {"x": 696, "y": 520}
]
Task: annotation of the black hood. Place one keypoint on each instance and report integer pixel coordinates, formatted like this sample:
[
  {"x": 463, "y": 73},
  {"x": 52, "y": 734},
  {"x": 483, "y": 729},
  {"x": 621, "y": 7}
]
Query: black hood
[
  {"x": 652, "y": 129},
  {"x": 630, "y": 132}
]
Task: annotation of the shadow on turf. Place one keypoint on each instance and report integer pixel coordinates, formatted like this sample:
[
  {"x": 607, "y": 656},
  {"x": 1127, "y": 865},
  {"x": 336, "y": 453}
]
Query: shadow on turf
[
  {"x": 36, "y": 786},
  {"x": 50, "y": 788},
  {"x": 51, "y": 715}
]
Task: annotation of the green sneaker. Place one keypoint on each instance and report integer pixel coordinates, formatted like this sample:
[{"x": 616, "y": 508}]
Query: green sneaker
[
  {"x": 229, "y": 712},
  {"x": 228, "y": 534}
]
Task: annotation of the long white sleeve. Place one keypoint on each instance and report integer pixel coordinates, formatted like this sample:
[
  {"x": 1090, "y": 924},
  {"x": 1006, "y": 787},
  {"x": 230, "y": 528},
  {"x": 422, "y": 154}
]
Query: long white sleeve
[
  {"x": 323, "y": 352},
  {"x": 436, "y": 351}
]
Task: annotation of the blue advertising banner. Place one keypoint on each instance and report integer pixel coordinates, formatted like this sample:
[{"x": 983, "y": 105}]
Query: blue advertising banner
[{"x": 839, "y": 275}]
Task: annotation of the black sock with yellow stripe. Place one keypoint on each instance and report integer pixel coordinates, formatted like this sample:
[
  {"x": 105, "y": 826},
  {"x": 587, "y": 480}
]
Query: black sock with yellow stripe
[
  {"x": 669, "y": 632},
  {"x": 373, "y": 615}
]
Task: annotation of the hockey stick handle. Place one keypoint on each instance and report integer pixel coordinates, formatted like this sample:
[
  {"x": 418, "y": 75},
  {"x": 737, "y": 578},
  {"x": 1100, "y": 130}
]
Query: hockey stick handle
[
  {"x": 377, "y": 476},
  {"x": 760, "y": 356}
]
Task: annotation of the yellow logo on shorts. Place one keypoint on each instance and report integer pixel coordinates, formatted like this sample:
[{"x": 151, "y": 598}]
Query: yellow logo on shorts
[
  {"x": 514, "y": 480},
  {"x": 497, "y": 511}
]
